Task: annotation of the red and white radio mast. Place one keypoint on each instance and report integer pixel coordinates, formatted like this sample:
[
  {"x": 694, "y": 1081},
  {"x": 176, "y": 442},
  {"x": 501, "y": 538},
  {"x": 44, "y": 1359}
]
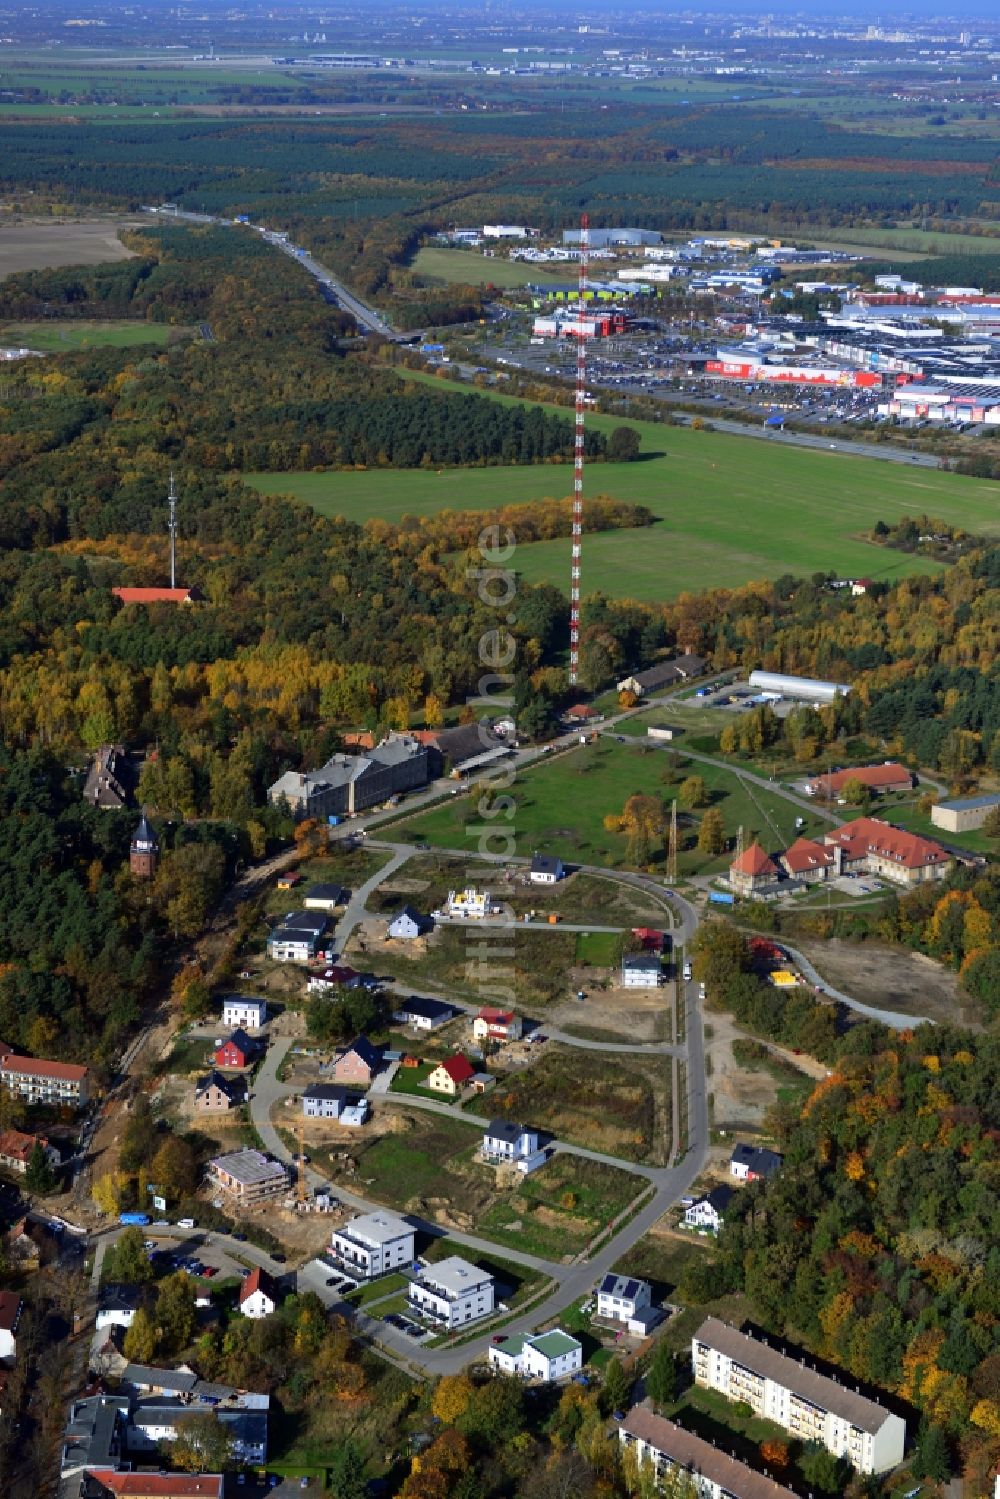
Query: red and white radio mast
[{"x": 581, "y": 394}]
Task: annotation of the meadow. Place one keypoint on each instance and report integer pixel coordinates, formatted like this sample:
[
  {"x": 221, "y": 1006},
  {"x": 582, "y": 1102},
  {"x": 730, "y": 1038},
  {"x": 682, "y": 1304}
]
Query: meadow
[
  {"x": 561, "y": 805},
  {"x": 729, "y": 509},
  {"x": 63, "y": 338},
  {"x": 438, "y": 265}
]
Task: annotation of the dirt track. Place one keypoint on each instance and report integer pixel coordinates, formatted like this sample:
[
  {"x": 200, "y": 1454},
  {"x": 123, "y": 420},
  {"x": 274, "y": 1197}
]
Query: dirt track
[{"x": 892, "y": 978}]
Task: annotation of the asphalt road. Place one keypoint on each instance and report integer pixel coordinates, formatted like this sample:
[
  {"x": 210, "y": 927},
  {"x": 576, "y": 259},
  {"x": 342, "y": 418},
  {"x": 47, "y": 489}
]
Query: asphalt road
[{"x": 570, "y": 1282}]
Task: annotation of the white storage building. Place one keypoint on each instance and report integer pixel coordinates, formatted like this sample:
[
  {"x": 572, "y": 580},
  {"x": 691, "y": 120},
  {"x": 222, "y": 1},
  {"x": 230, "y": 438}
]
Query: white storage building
[{"x": 808, "y": 689}]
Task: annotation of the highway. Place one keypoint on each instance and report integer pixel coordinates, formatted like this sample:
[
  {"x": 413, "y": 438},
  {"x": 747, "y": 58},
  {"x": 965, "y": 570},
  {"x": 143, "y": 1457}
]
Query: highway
[{"x": 335, "y": 291}]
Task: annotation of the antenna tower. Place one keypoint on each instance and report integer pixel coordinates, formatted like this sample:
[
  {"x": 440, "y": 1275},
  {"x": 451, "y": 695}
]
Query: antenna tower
[
  {"x": 172, "y": 528},
  {"x": 672, "y": 845},
  {"x": 581, "y": 392},
  {"x": 739, "y": 843}
]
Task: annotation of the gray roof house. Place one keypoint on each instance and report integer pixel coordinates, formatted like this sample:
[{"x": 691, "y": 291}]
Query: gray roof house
[
  {"x": 546, "y": 869},
  {"x": 409, "y": 924},
  {"x": 348, "y": 784},
  {"x": 94, "y": 1434},
  {"x": 665, "y": 674}
]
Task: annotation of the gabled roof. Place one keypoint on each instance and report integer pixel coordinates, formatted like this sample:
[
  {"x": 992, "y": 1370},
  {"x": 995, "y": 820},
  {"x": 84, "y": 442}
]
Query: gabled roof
[
  {"x": 505, "y": 1129},
  {"x": 332, "y": 893},
  {"x": 795, "y": 1374},
  {"x": 159, "y": 1485},
  {"x": 258, "y": 1280},
  {"x": 427, "y": 1009},
  {"x": 875, "y": 777},
  {"x": 232, "y": 1087},
  {"x": 241, "y": 1041},
  {"x": 545, "y": 864},
  {"x": 727, "y": 1474},
  {"x": 758, "y": 1159},
  {"x": 719, "y": 1198},
  {"x": 458, "y": 1068},
  {"x": 495, "y": 1017},
  {"x": 363, "y": 1048},
  {"x": 119, "y": 1298},
  {"x": 10, "y": 1310},
  {"x": 63, "y": 1072},
  {"x": 327, "y": 1093},
  {"x": 804, "y": 854},
  {"x": 871, "y": 835},
  {"x": 419, "y": 921},
  {"x": 158, "y": 595},
  {"x": 16, "y": 1146},
  {"x": 624, "y": 1286},
  {"x": 753, "y": 861}
]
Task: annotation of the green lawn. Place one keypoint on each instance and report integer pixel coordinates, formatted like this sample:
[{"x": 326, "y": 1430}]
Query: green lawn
[
  {"x": 561, "y": 805},
  {"x": 908, "y": 815},
  {"x": 63, "y": 337},
  {"x": 557, "y": 1210},
  {"x": 413, "y": 1080},
  {"x": 730, "y": 509},
  {"x": 599, "y": 949},
  {"x": 470, "y": 268}
]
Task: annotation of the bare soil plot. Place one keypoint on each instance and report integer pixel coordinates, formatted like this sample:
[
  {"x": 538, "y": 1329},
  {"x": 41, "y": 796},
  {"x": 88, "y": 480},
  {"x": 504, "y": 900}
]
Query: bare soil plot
[
  {"x": 618, "y": 1105},
  {"x": 611, "y": 1013},
  {"x": 892, "y": 978},
  {"x": 744, "y": 1084},
  {"x": 31, "y": 247}
]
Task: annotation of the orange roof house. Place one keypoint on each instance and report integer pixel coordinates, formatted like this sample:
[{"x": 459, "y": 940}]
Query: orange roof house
[
  {"x": 752, "y": 870},
  {"x": 876, "y": 847},
  {"x": 879, "y": 778}
]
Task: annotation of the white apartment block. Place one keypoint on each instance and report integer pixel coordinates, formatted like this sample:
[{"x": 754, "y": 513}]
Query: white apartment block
[
  {"x": 451, "y": 1293},
  {"x": 714, "y": 1473},
  {"x": 372, "y": 1245},
  {"x": 810, "y": 1406},
  {"x": 45, "y": 1082},
  {"x": 240, "y": 1012}
]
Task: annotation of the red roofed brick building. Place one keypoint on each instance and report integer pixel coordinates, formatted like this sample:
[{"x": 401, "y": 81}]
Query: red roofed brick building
[
  {"x": 45, "y": 1082},
  {"x": 877, "y": 778},
  {"x": 97, "y": 1485},
  {"x": 752, "y": 871},
  {"x": 870, "y": 846},
  {"x": 810, "y": 861},
  {"x": 158, "y": 595},
  {"x": 16, "y": 1148}
]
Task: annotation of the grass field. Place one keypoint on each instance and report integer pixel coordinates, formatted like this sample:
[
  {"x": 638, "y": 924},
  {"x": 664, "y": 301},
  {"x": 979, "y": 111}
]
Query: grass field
[
  {"x": 435, "y": 263},
  {"x": 557, "y": 1210},
  {"x": 62, "y": 338},
  {"x": 534, "y": 964},
  {"x": 729, "y": 509},
  {"x": 561, "y": 805},
  {"x": 619, "y": 1106}
]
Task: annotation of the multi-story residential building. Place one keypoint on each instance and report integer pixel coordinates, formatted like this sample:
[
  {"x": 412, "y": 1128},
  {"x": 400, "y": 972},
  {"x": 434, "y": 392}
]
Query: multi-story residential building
[
  {"x": 492, "y": 1024},
  {"x": 870, "y": 846},
  {"x": 10, "y": 1316},
  {"x": 451, "y": 1293},
  {"x": 641, "y": 970},
  {"x": 249, "y": 1176},
  {"x": 127, "y": 1485},
  {"x": 713, "y": 1472},
  {"x": 372, "y": 1245},
  {"x": 348, "y": 784},
  {"x": 300, "y": 937},
  {"x": 812, "y": 1407},
  {"x": 45, "y": 1082}
]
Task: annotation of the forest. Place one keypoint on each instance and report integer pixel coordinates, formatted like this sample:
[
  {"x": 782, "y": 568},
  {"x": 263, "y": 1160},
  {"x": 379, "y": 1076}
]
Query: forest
[{"x": 876, "y": 1245}]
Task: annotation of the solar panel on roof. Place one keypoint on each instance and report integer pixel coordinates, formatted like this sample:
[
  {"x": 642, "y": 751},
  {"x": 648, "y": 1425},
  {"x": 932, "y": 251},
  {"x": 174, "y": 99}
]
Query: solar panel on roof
[{"x": 631, "y": 1286}]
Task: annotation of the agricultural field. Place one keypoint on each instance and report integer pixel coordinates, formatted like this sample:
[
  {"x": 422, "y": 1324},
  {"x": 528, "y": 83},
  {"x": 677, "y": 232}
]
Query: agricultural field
[
  {"x": 618, "y": 1105},
  {"x": 437, "y": 265},
  {"x": 31, "y": 247},
  {"x": 65, "y": 337},
  {"x": 763, "y": 509},
  {"x": 561, "y": 805}
]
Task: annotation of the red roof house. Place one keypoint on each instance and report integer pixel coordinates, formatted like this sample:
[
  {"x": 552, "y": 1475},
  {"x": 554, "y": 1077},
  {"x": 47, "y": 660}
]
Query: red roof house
[
  {"x": 451, "y": 1075},
  {"x": 237, "y": 1051},
  {"x": 875, "y": 847},
  {"x": 158, "y": 595},
  {"x": 809, "y": 861}
]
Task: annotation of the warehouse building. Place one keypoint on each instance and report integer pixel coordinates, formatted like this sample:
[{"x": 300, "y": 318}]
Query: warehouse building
[
  {"x": 805, "y": 688},
  {"x": 966, "y": 813},
  {"x": 607, "y": 239}
]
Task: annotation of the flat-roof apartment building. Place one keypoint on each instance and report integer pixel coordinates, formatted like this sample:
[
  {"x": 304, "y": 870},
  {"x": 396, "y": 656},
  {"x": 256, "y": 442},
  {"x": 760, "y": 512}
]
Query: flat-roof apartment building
[
  {"x": 372, "y": 1245},
  {"x": 249, "y": 1176},
  {"x": 811, "y": 1406},
  {"x": 451, "y": 1293}
]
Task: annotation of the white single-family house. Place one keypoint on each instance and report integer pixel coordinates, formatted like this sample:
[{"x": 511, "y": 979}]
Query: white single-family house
[
  {"x": 242, "y": 1013},
  {"x": 544, "y": 1356}
]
